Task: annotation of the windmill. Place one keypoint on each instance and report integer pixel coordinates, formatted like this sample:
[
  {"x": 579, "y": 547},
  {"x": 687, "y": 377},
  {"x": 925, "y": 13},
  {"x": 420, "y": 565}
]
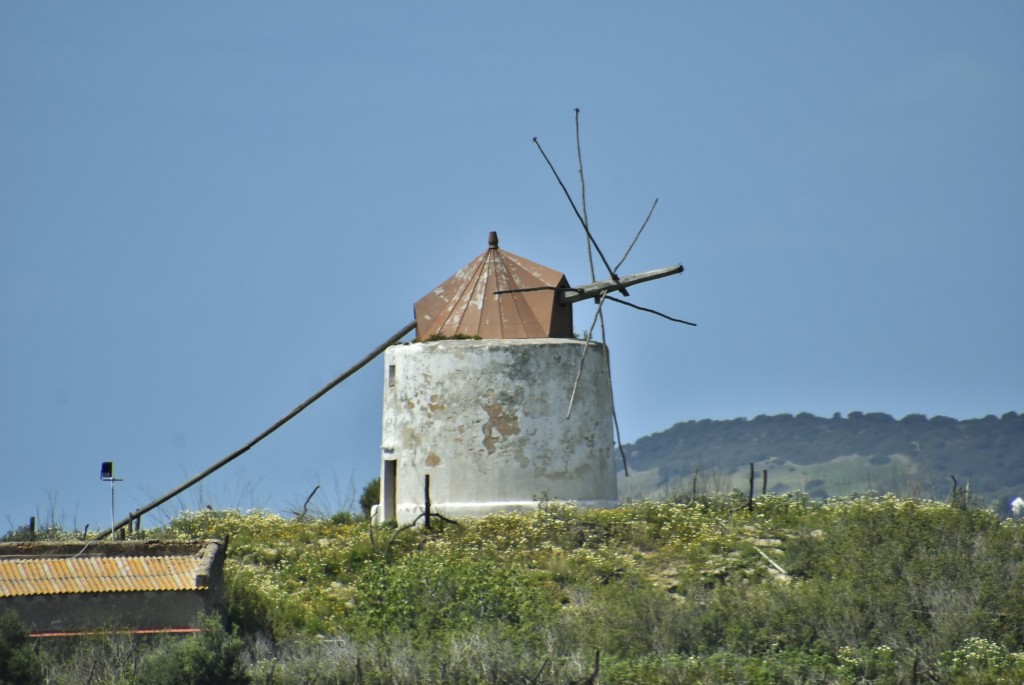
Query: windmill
[
  {"x": 475, "y": 413},
  {"x": 477, "y": 410}
]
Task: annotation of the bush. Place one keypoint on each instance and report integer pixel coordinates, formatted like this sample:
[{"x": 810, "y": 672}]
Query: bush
[
  {"x": 370, "y": 496},
  {"x": 211, "y": 657},
  {"x": 19, "y": 664},
  {"x": 428, "y": 594}
]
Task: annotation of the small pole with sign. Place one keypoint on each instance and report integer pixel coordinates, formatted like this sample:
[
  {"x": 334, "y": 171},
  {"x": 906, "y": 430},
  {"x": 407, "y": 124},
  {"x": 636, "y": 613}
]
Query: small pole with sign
[{"x": 107, "y": 474}]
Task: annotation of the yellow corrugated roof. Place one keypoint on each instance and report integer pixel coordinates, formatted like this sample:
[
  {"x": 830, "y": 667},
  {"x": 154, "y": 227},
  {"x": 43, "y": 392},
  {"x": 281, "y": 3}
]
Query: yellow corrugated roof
[{"x": 53, "y": 576}]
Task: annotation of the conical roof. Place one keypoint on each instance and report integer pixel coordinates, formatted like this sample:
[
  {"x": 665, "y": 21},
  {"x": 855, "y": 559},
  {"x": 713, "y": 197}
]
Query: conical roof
[{"x": 465, "y": 304}]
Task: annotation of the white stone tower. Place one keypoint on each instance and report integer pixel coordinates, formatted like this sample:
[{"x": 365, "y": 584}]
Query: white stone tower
[{"x": 486, "y": 418}]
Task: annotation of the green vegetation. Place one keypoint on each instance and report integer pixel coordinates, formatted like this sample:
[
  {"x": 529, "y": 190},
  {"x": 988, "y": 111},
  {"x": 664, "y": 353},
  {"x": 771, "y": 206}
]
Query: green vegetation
[
  {"x": 862, "y": 589},
  {"x": 370, "y": 497},
  {"x": 839, "y": 456},
  {"x": 19, "y": 664},
  {"x": 210, "y": 658}
]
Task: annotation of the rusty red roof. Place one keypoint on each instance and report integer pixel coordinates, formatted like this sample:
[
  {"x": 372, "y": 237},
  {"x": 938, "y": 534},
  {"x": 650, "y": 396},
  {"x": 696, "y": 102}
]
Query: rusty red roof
[{"x": 465, "y": 304}]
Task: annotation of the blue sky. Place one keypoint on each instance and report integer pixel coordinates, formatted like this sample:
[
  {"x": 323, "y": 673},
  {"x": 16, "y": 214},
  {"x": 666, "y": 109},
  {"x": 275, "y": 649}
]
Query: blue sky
[{"x": 207, "y": 211}]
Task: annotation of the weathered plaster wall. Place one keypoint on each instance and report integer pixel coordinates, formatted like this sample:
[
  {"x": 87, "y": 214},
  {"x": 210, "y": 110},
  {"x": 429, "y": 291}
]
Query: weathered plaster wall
[{"x": 486, "y": 420}]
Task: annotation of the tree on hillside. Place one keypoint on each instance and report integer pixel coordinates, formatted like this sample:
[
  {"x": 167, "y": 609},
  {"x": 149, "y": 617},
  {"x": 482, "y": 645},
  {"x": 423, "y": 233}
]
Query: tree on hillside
[
  {"x": 370, "y": 496},
  {"x": 19, "y": 664}
]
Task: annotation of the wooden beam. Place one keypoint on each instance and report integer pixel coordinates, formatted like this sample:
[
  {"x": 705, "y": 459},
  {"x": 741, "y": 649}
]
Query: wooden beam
[
  {"x": 408, "y": 328},
  {"x": 586, "y": 292}
]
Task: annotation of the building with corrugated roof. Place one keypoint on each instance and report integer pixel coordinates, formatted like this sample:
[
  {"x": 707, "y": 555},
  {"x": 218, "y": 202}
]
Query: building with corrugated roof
[
  {"x": 60, "y": 588},
  {"x": 487, "y": 418}
]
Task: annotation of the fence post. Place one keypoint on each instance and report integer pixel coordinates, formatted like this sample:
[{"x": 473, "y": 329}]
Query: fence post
[
  {"x": 426, "y": 501},
  {"x": 750, "y": 499}
]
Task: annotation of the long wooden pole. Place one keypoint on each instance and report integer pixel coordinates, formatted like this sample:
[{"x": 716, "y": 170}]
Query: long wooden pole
[{"x": 252, "y": 443}]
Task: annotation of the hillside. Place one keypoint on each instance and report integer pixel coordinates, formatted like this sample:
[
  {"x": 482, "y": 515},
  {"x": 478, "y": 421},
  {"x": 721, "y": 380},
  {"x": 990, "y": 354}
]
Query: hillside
[
  {"x": 704, "y": 591},
  {"x": 838, "y": 456}
]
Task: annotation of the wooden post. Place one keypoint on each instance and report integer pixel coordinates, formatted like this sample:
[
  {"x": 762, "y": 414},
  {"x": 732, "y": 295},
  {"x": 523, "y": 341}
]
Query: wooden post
[
  {"x": 426, "y": 501},
  {"x": 764, "y": 481},
  {"x": 750, "y": 499}
]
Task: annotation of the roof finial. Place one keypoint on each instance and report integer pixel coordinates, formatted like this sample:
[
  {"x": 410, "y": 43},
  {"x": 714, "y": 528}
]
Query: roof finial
[{"x": 492, "y": 240}]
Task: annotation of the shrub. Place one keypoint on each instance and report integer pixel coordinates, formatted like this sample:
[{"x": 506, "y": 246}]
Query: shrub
[
  {"x": 19, "y": 664},
  {"x": 370, "y": 496},
  {"x": 979, "y": 661},
  {"x": 428, "y": 594},
  {"x": 211, "y": 657}
]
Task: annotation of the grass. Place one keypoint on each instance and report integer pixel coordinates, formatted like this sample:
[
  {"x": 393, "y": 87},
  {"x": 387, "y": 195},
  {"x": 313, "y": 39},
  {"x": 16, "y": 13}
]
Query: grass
[{"x": 850, "y": 590}]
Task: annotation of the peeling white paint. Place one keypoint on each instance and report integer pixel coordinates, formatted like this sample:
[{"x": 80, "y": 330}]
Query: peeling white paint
[{"x": 486, "y": 420}]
